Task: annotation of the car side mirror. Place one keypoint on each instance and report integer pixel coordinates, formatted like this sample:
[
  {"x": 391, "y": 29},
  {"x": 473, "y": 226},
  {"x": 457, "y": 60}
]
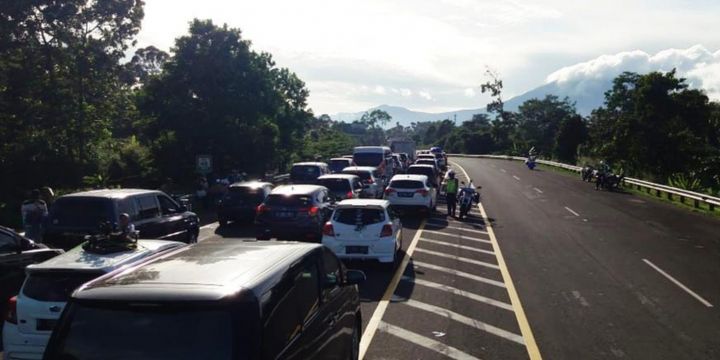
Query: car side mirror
[{"x": 354, "y": 277}]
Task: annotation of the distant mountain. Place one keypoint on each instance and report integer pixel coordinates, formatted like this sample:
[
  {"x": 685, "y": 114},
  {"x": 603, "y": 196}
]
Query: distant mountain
[{"x": 585, "y": 83}]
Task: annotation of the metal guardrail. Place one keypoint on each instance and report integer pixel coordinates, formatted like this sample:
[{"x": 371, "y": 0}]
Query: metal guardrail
[{"x": 659, "y": 189}]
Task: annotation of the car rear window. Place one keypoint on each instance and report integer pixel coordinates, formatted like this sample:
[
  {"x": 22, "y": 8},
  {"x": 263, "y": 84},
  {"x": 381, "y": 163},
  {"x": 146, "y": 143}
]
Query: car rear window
[
  {"x": 148, "y": 332},
  {"x": 81, "y": 212},
  {"x": 363, "y": 175},
  {"x": 336, "y": 184},
  {"x": 421, "y": 171},
  {"x": 304, "y": 172},
  {"x": 55, "y": 286},
  {"x": 359, "y": 216},
  {"x": 288, "y": 200},
  {"x": 406, "y": 184},
  {"x": 245, "y": 194},
  {"x": 339, "y": 164},
  {"x": 368, "y": 159},
  {"x": 426, "y": 162}
]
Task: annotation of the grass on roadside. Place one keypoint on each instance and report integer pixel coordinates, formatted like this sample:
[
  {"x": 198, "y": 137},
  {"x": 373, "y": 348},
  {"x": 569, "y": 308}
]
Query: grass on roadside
[{"x": 703, "y": 208}]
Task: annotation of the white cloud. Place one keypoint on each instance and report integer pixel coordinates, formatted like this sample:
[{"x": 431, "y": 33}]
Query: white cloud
[
  {"x": 406, "y": 92},
  {"x": 700, "y": 66},
  {"x": 470, "y": 92},
  {"x": 425, "y": 95},
  {"x": 380, "y": 90}
]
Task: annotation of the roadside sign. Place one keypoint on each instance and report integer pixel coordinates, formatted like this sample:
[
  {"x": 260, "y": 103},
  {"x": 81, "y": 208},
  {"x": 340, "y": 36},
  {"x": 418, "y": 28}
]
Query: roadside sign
[{"x": 203, "y": 164}]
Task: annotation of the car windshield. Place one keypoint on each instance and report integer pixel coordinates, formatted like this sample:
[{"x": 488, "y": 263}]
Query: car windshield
[
  {"x": 358, "y": 216},
  {"x": 82, "y": 212},
  {"x": 367, "y": 159},
  {"x": 55, "y": 285},
  {"x": 363, "y": 175},
  {"x": 339, "y": 164},
  {"x": 406, "y": 184},
  {"x": 147, "y": 332},
  {"x": 288, "y": 200},
  {"x": 242, "y": 194},
  {"x": 304, "y": 172},
  {"x": 336, "y": 184}
]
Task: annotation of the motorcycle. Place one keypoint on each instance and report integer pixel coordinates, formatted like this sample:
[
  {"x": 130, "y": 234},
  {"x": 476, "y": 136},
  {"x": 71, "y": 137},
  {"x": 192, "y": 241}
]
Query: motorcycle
[
  {"x": 587, "y": 173},
  {"x": 608, "y": 181},
  {"x": 530, "y": 162},
  {"x": 468, "y": 196}
]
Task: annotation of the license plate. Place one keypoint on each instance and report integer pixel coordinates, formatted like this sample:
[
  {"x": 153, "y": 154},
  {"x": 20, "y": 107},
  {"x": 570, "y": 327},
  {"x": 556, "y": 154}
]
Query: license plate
[
  {"x": 405, "y": 194},
  {"x": 283, "y": 214},
  {"x": 46, "y": 324},
  {"x": 356, "y": 249}
]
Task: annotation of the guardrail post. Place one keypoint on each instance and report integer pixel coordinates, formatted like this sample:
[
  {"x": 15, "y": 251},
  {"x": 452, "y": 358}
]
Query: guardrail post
[
  {"x": 657, "y": 193},
  {"x": 697, "y": 203},
  {"x": 669, "y": 195},
  {"x": 682, "y": 199},
  {"x": 711, "y": 206}
]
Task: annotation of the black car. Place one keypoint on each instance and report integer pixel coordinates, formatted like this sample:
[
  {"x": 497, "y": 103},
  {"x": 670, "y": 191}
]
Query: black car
[
  {"x": 241, "y": 201},
  {"x": 16, "y": 253},
  {"x": 338, "y": 164},
  {"x": 220, "y": 299},
  {"x": 308, "y": 172},
  {"x": 154, "y": 214},
  {"x": 295, "y": 212},
  {"x": 342, "y": 186},
  {"x": 427, "y": 170}
]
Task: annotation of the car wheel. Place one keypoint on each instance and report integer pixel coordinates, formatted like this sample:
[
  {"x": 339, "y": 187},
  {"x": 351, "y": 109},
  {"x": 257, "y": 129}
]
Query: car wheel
[
  {"x": 355, "y": 343},
  {"x": 192, "y": 237}
]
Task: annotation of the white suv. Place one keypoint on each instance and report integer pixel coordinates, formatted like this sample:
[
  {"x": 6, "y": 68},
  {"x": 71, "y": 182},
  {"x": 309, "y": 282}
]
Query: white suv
[
  {"x": 35, "y": 310},
  {"x": 412, "y": 191},
  {"x": 364, "y": 229}
]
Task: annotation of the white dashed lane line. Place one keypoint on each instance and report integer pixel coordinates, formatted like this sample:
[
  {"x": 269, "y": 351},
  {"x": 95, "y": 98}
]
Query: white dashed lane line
[
  {"x": 516, "y": 178},
  {"x": 538, "y": 190},
  {"x": 571, "y": 211},
  {"x": 678, "y": 283}
]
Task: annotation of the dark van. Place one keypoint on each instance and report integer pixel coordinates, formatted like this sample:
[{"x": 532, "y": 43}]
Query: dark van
[
  {"x": 308, "y": 172},
  {"x": 154, "y": 214},
  {"x": 224, "y": 299}
]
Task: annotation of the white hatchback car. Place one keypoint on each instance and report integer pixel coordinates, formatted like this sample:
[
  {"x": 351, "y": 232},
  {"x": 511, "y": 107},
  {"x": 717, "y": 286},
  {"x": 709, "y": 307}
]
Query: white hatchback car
[
  {"x": 412, "y": 191},
  {"x": 364, "y": 229},
  {"x": 35, "y": 310}
]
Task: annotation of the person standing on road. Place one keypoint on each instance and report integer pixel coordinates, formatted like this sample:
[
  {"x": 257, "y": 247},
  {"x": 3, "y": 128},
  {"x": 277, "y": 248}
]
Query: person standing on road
[
  {"x": 34, "y": 211},
  {"x": 451, "y": 189}
]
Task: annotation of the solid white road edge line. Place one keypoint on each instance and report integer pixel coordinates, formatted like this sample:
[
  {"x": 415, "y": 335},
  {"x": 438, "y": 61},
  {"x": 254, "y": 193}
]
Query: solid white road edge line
[
  {"x": 468, "y": 248},
  {"x": 678, "y": 283},
  {"x": 469, "y": 276},
  {"x": 458, "y": 292},
  {"x": 372, "y": 325},
  {"x": 477, "y": 324},
  {"x": 525, "y": 330},
  {"x": 425, "y": 342},
  {"x": 458, "y": 258}
]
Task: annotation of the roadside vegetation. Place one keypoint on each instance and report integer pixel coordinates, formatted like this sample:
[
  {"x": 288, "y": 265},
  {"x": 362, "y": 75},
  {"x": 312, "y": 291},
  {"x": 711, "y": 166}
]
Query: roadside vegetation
[{"x": 79, "y": 108}]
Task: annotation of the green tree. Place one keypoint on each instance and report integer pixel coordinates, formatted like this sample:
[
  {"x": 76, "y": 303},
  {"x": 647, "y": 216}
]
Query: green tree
[
  {"x": 216, "y": 96},
  {"x": 654, "y": 125},
  {"x": 571, "y": 133}
]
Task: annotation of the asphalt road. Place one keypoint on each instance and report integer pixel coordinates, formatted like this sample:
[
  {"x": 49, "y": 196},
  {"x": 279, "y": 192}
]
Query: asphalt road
[
  {"x": 546, "y": 267},
  {"x": 587, "y": 266}
]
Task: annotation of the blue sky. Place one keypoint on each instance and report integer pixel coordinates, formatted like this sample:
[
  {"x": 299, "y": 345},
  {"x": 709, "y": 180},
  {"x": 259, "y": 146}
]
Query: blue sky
[{"x": 430, "y": 55}]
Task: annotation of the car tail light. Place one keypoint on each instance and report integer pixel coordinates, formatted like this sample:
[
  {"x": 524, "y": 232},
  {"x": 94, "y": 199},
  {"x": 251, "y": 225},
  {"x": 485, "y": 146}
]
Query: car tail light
[
  {"x": 328, "y": 230},
  {"x": 422, "y": 192},
  {"x": 386, "y": 230},
  {"x": 11, "y": 315},
  {"x": 389, "y": 191},
  {"x": 369, "y": 181},
  {"x": 261, "y": 209},
  {"x": 312, "y": 211},
  {"x": 350, "y": 194}
]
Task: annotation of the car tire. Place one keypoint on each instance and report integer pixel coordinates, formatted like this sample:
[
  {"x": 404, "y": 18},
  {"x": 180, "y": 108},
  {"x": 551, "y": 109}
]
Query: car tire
[
  {"x": 355, "y": 342},
  {"x": 192, "y": 237}
]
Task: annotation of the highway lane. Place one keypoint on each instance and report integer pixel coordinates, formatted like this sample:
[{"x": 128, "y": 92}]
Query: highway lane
[{"x": 581, "y": 261}]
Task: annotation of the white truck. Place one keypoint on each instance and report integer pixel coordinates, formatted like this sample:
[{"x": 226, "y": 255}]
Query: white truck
[{"x": 403, "y": 145}]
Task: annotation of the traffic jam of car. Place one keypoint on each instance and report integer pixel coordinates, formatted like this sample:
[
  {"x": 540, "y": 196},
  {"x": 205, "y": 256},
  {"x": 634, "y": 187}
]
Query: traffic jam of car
[{"x": 146, "y": 271}]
